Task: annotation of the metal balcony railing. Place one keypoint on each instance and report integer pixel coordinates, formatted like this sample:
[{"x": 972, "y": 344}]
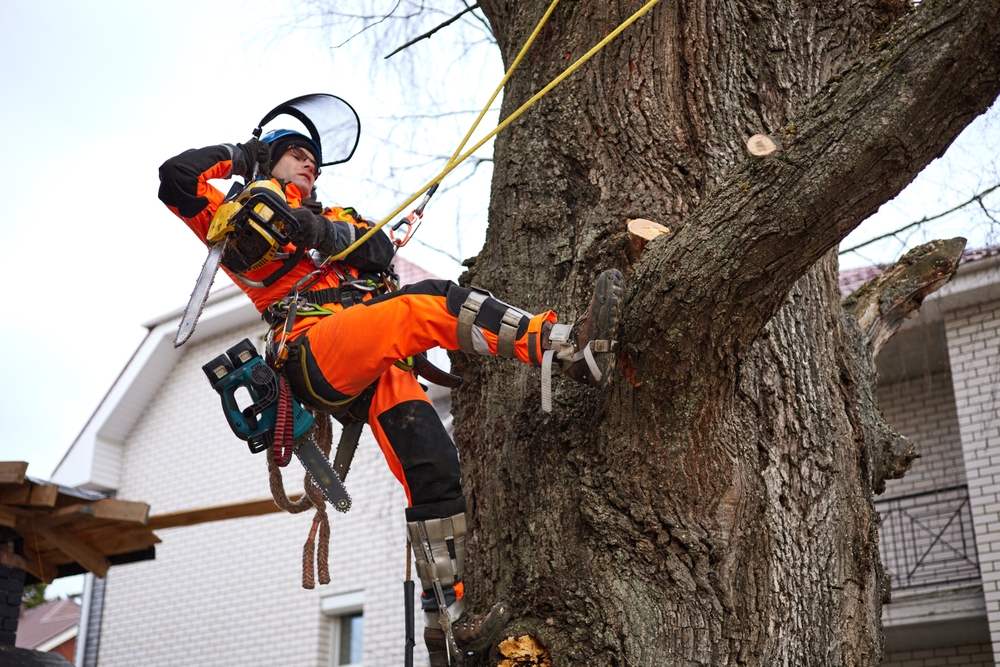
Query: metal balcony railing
[{"x": 927, "y": 539}]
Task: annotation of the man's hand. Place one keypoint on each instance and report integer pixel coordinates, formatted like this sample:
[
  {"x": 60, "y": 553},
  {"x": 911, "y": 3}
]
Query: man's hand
[
  {"x": 329, "y": 237},
  {"x": 248, "y": 154},
  {"x": 312, "y": 229}
]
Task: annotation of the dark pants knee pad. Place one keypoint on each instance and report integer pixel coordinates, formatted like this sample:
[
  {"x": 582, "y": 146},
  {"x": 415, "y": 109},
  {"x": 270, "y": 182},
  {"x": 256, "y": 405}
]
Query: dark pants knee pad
[{"x": 425, "y": 451}]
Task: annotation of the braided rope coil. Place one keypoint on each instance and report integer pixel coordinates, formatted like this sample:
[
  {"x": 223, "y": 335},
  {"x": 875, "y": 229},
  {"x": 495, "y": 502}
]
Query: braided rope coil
[{"x": 315, "y": 555}]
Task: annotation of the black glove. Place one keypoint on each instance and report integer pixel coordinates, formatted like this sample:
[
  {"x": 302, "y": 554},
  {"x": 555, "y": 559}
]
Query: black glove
[
  {"x": 328, "y": 237},
  {"x": 375, "y": 254},
  {"x": 312, "y": 229},
  {"x": 251, "y": 153}
]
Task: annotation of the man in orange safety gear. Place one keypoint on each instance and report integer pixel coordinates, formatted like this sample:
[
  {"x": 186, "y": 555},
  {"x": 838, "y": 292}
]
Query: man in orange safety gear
[{"x": 343, "y": 360}]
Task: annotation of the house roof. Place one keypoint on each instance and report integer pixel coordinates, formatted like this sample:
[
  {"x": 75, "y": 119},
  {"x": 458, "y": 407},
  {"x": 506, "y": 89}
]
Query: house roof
[
  {"x": 93, "y": 460},
  {"x": 39, "y": 625}
]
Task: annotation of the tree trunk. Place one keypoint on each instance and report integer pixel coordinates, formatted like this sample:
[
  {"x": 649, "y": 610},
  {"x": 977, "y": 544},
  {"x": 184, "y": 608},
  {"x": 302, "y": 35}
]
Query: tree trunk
[{"x": 714, "y": 504}]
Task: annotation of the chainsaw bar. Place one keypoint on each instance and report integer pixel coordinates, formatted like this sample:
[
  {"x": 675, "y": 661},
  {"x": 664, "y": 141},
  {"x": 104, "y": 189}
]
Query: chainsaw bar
[
  {"x": 199, "y": 295},
  {"x": 323, "y": 474}
]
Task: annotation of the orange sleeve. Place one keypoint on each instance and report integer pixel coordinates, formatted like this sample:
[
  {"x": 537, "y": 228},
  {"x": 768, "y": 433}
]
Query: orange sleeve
[{"x": 185, "y": 189}]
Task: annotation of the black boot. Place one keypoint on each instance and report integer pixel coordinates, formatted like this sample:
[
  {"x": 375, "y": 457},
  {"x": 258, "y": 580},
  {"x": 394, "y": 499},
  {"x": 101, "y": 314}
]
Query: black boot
[
  {"x": 478, "y": 632},
  {"x": 439, "y": 549}
]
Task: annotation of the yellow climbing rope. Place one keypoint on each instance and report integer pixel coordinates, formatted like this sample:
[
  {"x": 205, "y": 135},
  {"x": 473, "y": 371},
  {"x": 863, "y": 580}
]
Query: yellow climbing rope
[
  {"x": 503, "y": 82},
  {"x": 455, "y": 161}
]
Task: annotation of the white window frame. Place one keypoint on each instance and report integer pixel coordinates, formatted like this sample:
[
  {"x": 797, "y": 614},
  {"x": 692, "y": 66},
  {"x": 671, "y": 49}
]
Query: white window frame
[{"x": 336, "y": 607}]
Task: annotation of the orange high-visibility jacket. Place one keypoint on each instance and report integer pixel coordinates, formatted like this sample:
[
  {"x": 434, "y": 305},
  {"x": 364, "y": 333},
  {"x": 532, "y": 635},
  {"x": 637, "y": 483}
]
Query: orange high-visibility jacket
[{"x": 185, "y": 189}]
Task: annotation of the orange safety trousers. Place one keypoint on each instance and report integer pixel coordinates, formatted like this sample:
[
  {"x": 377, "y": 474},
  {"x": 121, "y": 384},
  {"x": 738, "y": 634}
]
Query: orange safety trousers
[{"x": 345, "y": 353}]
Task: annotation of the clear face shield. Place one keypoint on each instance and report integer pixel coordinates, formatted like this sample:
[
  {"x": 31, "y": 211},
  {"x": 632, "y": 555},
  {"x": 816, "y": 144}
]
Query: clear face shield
[{"x": 330, "y": 121}]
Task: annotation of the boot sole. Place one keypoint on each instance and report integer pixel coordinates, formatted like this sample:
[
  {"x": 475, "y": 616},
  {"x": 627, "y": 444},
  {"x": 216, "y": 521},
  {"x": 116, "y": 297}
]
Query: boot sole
[{"x": 608, "y": 293}]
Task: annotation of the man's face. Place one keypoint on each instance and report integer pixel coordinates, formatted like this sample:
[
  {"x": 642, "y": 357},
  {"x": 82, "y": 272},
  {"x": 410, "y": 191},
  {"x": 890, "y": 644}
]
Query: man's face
[{"x": 296, "y": 166}]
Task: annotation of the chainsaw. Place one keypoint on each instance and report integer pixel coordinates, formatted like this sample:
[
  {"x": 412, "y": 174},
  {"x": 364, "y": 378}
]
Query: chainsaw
[
  {"x": 241, "y": 367},
  {"x": 248, "y": 231}
]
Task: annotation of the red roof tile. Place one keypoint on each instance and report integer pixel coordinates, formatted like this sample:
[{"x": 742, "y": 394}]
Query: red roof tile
[
  {"x": 40, "y": 624},
  {"x": 410, "y": 273}
]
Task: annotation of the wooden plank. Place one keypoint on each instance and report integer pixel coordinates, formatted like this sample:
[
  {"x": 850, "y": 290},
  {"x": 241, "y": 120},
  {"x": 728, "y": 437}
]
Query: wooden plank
[
  {"x": 128, "y": 511},
  {"x": 79, "y": 551},
  {"x": 12, "y": 472},
  {"x": 15, "y": 495},
  {"x": 108, "y": 509},
  {"x": 8, "y": 517},
  {"x": 36, "y": 565},
  {"x": 30, "y": 494},
  {"x": 61, "y": 516},
  {"x": 43, "y": 495},
  {"x": 215, "y": 513},
  {"x": 119, "y": 538}
]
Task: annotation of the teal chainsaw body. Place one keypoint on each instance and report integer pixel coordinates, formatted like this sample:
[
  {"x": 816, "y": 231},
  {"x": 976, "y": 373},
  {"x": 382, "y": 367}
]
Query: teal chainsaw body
[{"x": 242, "y": 366}]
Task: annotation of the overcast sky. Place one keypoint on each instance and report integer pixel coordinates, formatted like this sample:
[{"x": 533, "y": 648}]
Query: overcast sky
[{"x": 95, "y": 95}]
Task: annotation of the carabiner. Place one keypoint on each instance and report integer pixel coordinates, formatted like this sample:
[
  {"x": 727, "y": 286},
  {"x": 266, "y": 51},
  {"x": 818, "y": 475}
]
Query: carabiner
[{"x": 412, "y": 222}]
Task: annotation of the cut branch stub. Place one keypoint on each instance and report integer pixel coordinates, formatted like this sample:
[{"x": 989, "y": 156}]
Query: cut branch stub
[
  {"x": 641, "y": 232},
  {"x": 761, "y": 145},
  {"x": 883, "y": 303},
  {"x": 525, "y": 651}
]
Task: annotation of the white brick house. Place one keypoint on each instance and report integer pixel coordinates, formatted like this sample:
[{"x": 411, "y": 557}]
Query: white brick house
[
  {"x": 939, "y": 380},
  {"x": 228, "y": 593}
]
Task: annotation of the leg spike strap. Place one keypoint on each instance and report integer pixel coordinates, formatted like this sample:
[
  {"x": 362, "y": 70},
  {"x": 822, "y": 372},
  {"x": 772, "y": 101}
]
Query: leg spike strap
[
  {"x": 508, "y": 332},
  {"x": 466, "y": 319},
  {"x": 565, "y": 351},
  {"x": 547, "y": 380},
  {"x": 588, "y": 356},
  {"x": 562, "y": 348},
  {"x": 439, "y": 549}
]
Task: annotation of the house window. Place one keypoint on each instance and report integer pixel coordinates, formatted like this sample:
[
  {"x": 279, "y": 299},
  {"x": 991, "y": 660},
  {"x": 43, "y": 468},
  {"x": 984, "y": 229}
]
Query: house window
[
  {"x": 347, "y": 622},
  {"x": 347, "y": 643}
]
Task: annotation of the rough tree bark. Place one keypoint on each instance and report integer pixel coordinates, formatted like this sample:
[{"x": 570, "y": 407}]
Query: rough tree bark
[{"x": 714, "y": 505}]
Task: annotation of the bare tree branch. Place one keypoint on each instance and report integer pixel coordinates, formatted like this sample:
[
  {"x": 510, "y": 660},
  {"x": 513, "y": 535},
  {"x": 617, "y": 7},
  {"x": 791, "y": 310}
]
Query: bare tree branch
[
  {"x": 436, "y": 249},
  {"x": 371, "y": 25},
  {"x": 480, "y": 18},
  {"x": 420, "y": 116},
  {"x": 975, "y": 199},
  {"x": 430, "y": 33}
]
